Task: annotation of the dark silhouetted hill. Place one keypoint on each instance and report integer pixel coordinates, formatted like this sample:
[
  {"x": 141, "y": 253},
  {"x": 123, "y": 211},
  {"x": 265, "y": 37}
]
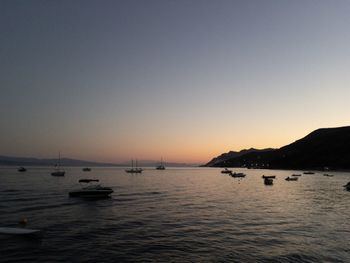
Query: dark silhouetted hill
[
  {"x": 327, "y": 147},
  {"x": 232, "y": 154}
]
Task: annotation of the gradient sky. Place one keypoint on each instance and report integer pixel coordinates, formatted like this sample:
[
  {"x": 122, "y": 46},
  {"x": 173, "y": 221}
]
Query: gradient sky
[{"x": 185, "y": 80}]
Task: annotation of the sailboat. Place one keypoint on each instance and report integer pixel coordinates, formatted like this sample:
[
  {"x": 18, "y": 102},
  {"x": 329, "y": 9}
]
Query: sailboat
[
  {"x": 161, "y": 166},
  {"x": 134, "y": 169},
  {"x": 58, "y": 171}
]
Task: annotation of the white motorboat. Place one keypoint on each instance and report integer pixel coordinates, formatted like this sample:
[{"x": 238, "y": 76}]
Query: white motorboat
[
  {"x": 91, "y": 191},
  {"x": 19, "y": 231}
]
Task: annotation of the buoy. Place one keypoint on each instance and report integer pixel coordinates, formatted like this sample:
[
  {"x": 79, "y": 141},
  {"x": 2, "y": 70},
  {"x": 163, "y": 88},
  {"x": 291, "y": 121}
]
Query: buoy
[{"x": 23, "y": 221}]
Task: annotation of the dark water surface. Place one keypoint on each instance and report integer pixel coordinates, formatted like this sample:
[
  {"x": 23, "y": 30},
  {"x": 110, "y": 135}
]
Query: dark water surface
[{"x": 177, "y": 215}]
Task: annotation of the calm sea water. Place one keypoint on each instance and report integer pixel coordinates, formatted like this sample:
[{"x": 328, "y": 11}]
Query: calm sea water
[{"x": 177, "y": 215}]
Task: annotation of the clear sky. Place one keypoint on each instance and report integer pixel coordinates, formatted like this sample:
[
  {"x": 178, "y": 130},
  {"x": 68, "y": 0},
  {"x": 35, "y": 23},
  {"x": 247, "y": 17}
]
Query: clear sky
[{"x": 185, "y": 80}]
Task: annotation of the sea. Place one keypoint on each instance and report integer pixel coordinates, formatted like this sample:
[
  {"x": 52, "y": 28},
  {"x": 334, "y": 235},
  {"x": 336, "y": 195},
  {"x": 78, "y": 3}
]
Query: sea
[{"x": 176, "y": 215}]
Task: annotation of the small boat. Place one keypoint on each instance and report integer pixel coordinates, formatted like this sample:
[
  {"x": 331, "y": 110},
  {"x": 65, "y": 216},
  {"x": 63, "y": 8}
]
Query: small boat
[
  {"x": 91, "y": 191},
  {"x": 308, "y": 173},
  {"x": 86, "y": 169},
  {"x": 269, "y": 176},
  {"x": 21, "y": 169},
  {"x": 58, "y": 171},
  {"x": 226, "y": 171},
  {"x": 19, "y": 231},
  {"x": 296, "y": 174},
  {"x": 292, "y": 178},
  {"x": 134, "y": 170},
  {"x": 347, "y": 186},
  {"x": 329, "y": 175},
  {"x": 268, "y": 181},
  {"x": 237, "y": 174},
  {"x": 161, "y": 166}
]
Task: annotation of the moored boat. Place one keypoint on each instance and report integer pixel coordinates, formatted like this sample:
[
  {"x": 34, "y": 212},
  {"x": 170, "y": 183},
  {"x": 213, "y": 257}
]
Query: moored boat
[
  {"x": 329, "y": 175},
  {"x": 21, "y": 169},
  {"x": 19, "y": 231},
  {"x": 91, "y": 191},
  {"x": 308, "y": 172},
  {"x": 237, "y": 174},
  {"x": 226, "y": 171},
  {"x": 268, "y": 181},
  {"x": 58, "y": 171},
  {"x": 134, "y": 170},
  {"x": 161, "y": 166},
  {"x": 86, "y": 169},
  {"x": 269, "y": 176},
  {"x": 292, "y": 178}
]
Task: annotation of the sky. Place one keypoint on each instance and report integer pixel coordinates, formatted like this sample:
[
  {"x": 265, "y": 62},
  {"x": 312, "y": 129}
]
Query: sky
[{"x": 182, "y": 80}]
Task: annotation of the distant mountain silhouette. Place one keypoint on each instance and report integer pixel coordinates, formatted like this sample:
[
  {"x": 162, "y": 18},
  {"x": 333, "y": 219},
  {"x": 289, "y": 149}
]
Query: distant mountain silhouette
[
  {"x": 232, "y": 154},
  {"x": 327, "y": 147},
  {"x": 26, "y": 161},
  {"x": 23, "y": 161}
]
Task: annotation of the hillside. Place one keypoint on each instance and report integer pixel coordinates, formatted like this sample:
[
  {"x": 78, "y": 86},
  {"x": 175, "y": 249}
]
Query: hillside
[
  {"x": 327, "y": 147},
  {"x": 232, "y": 154}
]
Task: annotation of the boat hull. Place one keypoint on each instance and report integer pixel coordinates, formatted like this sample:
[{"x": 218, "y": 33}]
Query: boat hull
[
  {"x": 91, "y": 193},
  {"x": 134, "y": 171},
  {"x": 58, "y": 173},
  {"x": 19, "y": 231},
  {"x": 268, "y": 181},
  {"x": 237, "y": 175}
]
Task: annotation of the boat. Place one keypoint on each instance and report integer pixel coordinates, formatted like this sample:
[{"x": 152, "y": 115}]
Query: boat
[
  {"x": 226, "y": 171},
  {"x": 269, "y": 176},
  {"x": 21, "y": 169},
  {"x": 296, "y": 174},
  {"x": 133, "y": 169},
  {"x": 308, "y": 173},
  {"x": 268, "y": 181},
  {"x": 237, "y": 174},
  {"x": 292, "y": 178},
  {"x": 347, "y": 186},
  {"x": 92, "y": 190},
  {"x": 58, "y": 171},
  {"x": 161, "y": 166},
  {"x": 86, "y": 169},
  {"x": 19, "y": 231},
  {"x": 329, "y": 175}
]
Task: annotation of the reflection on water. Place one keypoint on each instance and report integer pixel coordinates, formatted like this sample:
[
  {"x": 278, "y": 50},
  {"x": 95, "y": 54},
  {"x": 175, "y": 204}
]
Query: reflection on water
[{"x": 180, "y": 215}]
